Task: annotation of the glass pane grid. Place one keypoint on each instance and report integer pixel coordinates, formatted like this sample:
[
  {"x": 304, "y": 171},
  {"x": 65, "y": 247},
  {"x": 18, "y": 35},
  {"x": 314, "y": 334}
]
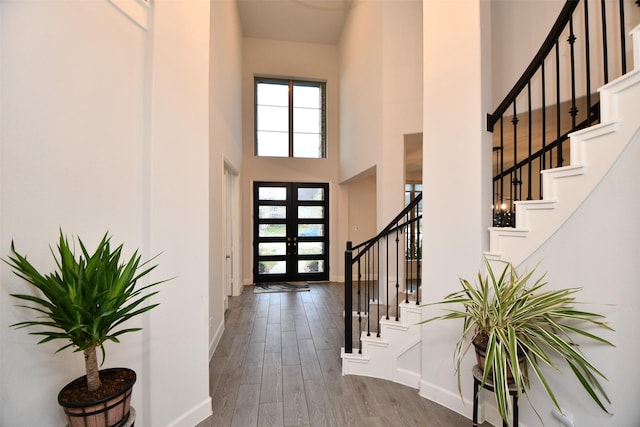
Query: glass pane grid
[
  {"x": 310, "y": 248},
  {"x": 307, "y": 120},
  {"x": 311, "y": 193},
  {"x": 272, "y": 267},
  {"x": 311, "y": 266},
  {"x": 268, "y": 249},
  {"x": 273, "y": 129},
  {"x": 272, "y": 193},
  {"x": 272, "y": 230},
  {"x": 307, "y": 96},
  {"x": 307, "y": 145},
  {"x": 272, "y": 212},
  {"x": 310, "y": 230},
  {"x": 272, "y": 144},
  {"x": 310, "y": 212},
  {"x": 273, "y": 118},
  {"x": 272, "y": 94}
]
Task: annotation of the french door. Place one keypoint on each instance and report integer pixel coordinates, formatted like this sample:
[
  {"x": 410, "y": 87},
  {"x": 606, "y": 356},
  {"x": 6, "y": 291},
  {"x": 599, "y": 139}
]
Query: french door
[{"x": 290, "y": 231}]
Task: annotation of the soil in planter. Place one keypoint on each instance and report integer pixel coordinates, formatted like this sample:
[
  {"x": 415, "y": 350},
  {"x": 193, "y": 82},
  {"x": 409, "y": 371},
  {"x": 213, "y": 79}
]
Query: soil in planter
[
  {"x": 481, "y": 340},
  {"x": 113, "y": 381}
]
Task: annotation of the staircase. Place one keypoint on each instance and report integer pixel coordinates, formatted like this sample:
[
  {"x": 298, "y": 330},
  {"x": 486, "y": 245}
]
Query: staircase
[
  {"x": 395, "y": 355},
  {"x": 594, "y": 151},
  {"x": 393, "y": 352}
]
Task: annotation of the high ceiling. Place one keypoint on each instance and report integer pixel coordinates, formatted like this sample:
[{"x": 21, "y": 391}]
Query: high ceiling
[
  {"x": 307, "y": 21},
  {"x": 312, "y": 21}
]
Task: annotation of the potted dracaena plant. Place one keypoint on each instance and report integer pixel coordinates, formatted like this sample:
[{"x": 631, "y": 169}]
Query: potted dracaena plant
[
  {"x": 84, "y": 302},
  {"x": 517, "y": 328}
]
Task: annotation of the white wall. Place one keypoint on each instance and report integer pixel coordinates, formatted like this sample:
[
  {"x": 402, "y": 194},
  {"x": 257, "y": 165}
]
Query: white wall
[
  {"x": 520, "y": 27},
  {"x": 71, "y": 158},
  {"x": 104, "y": 126},
  {"x": 597, "y": 249},
  {"x": 225, "y": 146},
  {"x": 179, "y": 213},
  {"x": 362, "y": 209},
  {"x": 380, "y": 95},
  {"x": 291, "y": 60},
  {"x": 361, "y": 89},
  {"x": 456, "y": 174}
]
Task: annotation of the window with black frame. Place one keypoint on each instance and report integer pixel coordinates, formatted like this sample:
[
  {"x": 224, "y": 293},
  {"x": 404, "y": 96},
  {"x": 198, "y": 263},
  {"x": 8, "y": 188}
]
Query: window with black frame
[{"x": 290, "y": 118}]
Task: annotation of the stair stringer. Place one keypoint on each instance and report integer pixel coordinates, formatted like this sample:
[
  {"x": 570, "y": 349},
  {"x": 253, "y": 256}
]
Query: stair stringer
[
  {"x": 594, "y": 151},
  {"x": 393, "y": 355}
]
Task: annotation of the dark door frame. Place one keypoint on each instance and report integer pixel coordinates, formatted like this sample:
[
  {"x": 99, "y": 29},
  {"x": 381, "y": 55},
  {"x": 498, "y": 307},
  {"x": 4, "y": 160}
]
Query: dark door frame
[{"x": 294, "y": 235}]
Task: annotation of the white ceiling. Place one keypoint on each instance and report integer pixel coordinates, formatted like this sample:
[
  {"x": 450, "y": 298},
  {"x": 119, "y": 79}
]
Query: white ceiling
[
  {"x": 307, "y": 21},
  {"x": 310, "y": 21}
]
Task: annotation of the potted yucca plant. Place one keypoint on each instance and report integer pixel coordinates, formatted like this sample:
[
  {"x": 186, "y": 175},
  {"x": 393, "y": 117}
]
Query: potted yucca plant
[
  {"x": 85, "y": 302},
  {"x": 517, "y": 327}
]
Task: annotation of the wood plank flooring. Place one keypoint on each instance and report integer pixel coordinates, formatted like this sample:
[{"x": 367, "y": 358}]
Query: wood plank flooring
[{"x": 278, "y": 364}]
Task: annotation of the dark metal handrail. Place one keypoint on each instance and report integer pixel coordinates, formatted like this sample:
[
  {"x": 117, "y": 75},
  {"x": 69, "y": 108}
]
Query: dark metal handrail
[
  {"x": 366, "y": 256},
  {"x": 529, "y": 154},
  {"x": 543, "y": 52}
]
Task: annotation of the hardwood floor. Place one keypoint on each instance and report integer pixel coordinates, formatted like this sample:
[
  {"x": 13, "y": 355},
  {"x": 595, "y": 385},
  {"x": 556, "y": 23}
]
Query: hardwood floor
[{"x": 278, "y": 364}]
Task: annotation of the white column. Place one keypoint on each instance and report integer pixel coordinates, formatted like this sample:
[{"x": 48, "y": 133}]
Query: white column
[{"x": 456, "y": 175}]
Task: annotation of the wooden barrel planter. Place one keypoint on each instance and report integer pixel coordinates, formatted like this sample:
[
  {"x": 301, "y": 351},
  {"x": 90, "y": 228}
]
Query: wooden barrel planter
[{"x": 112, "y": 410}]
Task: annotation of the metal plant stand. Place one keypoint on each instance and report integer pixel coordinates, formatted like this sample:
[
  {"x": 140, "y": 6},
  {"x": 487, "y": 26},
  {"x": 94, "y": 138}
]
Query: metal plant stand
[{"x": 488, "y": 385}]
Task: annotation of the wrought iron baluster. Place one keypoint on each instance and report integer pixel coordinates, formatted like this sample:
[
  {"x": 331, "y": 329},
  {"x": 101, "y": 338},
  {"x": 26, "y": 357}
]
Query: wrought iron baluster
[
  {"x": 378, "y": 293},
  {"x": 407, "y": 258},
  {"x": 397, "y": 270},
  {"x": 496, "y": 187},
  {"x": 572, "y": 40},
  {"x": 368, "y": 292},
  {"x": 587, "y": 60},
  {"x": 543, "y": 160},
  {"x": 514, "y": 182},
  {"x": 374, "y": 277},
  {"x": 502, "y": 164},
  {"x": 348, "y": 303},
  {"x": 530, "y": 140},
  {"x": 358, "y": 291},
  {"x": 623, "y": 44},
  {"x": 418, "y": 254},
  {"x": 605, "y": 50},
  {"x": 558, "y": 117},
  {"x": 359, "y": 312},
  {"x": 386, "y": 238}
]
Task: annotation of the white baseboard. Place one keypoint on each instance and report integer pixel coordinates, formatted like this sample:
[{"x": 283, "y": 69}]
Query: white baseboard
[
  {"x": 446, "y": 398},
  {"x": 215, "y": 340},
  {"x": 487, "y": 410},
  {"x": 195, "y": 415},
  {"x": 406, "y": 378}
]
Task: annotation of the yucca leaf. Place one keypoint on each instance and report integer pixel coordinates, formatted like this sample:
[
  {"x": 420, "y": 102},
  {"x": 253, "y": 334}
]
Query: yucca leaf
[
  {"x": 123, "y": 331},
  {"x": 87, "y": 295}
]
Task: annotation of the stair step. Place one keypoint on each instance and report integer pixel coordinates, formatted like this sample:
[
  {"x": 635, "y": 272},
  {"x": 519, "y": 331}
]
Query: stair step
[
  {"x": 594, "y": 150},
  {"x": 373, "y": 340}
]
